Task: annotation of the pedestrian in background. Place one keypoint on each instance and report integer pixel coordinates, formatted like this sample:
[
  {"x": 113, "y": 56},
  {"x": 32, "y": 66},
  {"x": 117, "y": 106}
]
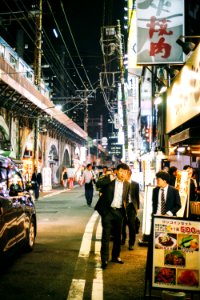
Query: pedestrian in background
[
  {"x": 111, "y": 206},
  {"x": 193, "y": 184},
  {"x": 173, "y": 173},
  {"x": 64, "y": 177},
  {"x": 89, "y": 180},
  {"x": 104, "y": 171},
  {"x": 165, "y": 198},
  {"x": 131, "y": 212},
  {"x": 36, "y": 179}
]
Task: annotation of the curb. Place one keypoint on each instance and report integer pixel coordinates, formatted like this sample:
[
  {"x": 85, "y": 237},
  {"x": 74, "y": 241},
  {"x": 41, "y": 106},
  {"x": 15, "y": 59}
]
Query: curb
[
  {"x": 51, "y": 193},
  {"x": 54, "y": 192}
]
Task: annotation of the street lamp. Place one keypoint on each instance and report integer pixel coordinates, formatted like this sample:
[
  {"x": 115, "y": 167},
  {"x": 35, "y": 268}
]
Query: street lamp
[{"x": 187, "y": 46}]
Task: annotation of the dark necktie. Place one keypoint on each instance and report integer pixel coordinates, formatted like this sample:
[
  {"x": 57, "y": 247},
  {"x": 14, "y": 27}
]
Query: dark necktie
[{"x": 163, "y": 206}]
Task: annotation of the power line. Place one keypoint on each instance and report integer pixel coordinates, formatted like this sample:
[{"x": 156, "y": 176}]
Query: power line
[
  {"x": 48, "y": 42},
  {"x": 76, "y": 46},
  {"x": 52, "y": 49},
  {"x": 66, "y": 46}
]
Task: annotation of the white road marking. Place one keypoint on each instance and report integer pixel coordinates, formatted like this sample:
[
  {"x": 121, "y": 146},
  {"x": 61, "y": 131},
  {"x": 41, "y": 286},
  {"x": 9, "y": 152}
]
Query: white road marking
[
  {"x": 87, "y": 237},
  {"x": 77, "y": 286},
  {"x": 76, "y": 289},
  {"x": 97, "y": 287}
]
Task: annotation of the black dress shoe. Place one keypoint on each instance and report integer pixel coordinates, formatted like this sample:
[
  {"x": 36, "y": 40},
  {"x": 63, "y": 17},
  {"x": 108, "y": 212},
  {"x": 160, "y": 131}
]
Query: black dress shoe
[
  {"x": 104, "y": 265},
  {"x": 118, "y": 260},
  {"x": 130, "y": 248}
]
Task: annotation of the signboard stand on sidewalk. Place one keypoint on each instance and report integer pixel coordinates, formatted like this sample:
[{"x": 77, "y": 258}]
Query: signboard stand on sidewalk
[
  {"x": 173, "y": 260},
  {"x": 147, "y": 218},
  {"x": 46, "y": 179}
]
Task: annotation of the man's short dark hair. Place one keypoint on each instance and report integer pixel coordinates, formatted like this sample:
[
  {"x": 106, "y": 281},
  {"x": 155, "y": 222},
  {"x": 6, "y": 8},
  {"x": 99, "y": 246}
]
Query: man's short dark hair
[
  {"x": 186, "y": 167},
  {"x": 122, "y": 166},
  {"x": 88, "y": 165},
  {"x": 172, "y": 170},
  {"x": 163, "y": 175}
]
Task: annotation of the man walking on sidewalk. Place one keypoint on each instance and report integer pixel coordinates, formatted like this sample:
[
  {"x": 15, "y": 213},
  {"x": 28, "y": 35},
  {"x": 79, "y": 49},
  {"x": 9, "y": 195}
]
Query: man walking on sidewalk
[
  {"x": 111, "y": 206},
  {"x": 131, "y": 212},
  {"x": 89, "y": 179}
]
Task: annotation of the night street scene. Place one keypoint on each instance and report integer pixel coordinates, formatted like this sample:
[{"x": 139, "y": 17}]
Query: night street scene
[{"x": 99, "y": 150}]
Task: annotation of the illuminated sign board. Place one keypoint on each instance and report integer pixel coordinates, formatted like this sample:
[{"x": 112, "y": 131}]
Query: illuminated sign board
[
  {"x": 183, "y": 101},
  {"x": 159, "y": 25},
  {"x": 116, "y": 149},
  {"x": 176, "y": 256}
]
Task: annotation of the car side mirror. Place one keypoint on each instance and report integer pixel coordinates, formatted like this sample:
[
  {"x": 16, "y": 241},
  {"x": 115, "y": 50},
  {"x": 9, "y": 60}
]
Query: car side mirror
[{"x": 15, "y": 189}]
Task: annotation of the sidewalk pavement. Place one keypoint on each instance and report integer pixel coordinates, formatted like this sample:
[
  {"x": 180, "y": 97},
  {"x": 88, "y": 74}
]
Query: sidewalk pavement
[
  {"x": 137, "y": 259},
  {"x": 57, "y": 189}
]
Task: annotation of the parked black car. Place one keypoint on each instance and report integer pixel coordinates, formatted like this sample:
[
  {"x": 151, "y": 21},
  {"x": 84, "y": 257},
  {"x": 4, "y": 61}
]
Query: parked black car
[{"x": 18, "y": 224}]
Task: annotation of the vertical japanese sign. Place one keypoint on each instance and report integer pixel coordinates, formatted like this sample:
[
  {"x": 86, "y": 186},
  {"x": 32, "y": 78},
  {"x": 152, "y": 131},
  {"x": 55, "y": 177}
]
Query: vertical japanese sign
[
  {"x": 176, "y": 256},
  {"x": 182, "y": 184},
  {"x": 159, "y": 24}
]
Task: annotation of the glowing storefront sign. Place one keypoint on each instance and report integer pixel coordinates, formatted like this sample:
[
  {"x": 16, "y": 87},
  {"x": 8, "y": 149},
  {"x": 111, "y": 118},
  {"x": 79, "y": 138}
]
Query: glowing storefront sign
[
  {"x": 176, "y": 256},
  {"x": 159, "y": 24},
  {"x": 183, "y": 101}
]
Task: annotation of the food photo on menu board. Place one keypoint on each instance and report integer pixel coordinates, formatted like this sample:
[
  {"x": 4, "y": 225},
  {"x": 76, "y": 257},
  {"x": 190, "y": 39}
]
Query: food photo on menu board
[
  {"x": 176, "y": 255},
  {"x": 163, "y": 240},
  {"x": 188, "y": 241},
  {"x": 174, "y": 258}
]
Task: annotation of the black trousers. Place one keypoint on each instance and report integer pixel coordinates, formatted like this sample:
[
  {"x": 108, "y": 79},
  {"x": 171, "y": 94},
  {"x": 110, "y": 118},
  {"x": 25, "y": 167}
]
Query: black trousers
[
  {"x": 129, "y": 220},
  {"x": 37, "y": 191},
  {"x": 89, "y": 190},
  {"x": 111, "y": 223}
]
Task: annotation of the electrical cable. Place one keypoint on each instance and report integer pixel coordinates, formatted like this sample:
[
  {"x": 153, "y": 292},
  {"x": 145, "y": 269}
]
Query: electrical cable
[
  {"x": 81, "y": 61},
  {"x": 55, "y": 55},
  {"x": 66, "y": 46},
  {"x": 49, "y": 43}
]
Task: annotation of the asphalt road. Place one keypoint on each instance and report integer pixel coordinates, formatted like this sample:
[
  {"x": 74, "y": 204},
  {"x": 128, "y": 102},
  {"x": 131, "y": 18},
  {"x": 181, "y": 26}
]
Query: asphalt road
[{"x": 65, "y": 263}]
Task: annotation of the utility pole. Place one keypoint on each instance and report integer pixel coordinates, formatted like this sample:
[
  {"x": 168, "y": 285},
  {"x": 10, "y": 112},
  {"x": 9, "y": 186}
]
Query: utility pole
[
  {"x": 123, "y": 99},
  {"x": 101, "y": 126},
  {"x": 37, "y": 70},
  {"x": 38, "y": 44},
  {"x": 85, "y": 95},
  {"x": 86, "y": 117}
]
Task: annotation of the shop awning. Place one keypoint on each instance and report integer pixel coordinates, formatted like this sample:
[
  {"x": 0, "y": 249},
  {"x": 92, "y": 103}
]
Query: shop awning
[{"x": 189, "y": 136}]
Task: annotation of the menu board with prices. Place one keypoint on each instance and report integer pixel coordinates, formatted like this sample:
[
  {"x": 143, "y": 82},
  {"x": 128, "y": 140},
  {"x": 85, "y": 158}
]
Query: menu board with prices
[{"x": 176, "y": 256}]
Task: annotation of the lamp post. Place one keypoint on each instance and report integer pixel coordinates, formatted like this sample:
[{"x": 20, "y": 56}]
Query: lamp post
[
  {"x": 35, "y": 148},
  {"x": 123, "y": 98},
  {"x": 187, "y": 47},
  {"x": 38, "y": 44}
]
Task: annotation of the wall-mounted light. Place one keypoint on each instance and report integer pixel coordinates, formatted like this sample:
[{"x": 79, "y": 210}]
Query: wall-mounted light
[
  {"x": 172, "y": 72},
  {"x": 181, "y": 149},
  {"x": 161, "y": 86},
  {"x": 55, "y": 33},
  {"x": 158, "y": 100},
  {"x": 58, "y": 106},
  {"x": 187, "y": 46}
]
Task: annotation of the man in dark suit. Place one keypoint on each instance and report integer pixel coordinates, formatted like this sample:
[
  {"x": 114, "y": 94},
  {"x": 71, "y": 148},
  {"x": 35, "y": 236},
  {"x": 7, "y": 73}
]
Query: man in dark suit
[
  {"x": 37, "y": 182},
  {"x": 171, "y": 197},
  {"x": 111, "y": 206},
  {"x": 173, "y": 174},
  {"x": 131, "y": 212}
]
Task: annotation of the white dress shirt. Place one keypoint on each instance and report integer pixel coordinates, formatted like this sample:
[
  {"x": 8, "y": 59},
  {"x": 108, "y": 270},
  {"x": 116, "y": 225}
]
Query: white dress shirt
[
  {"x": 117, "y": 200},
  {"x": 159, "y": 201},
  {"x": 88, "y": 174}
]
